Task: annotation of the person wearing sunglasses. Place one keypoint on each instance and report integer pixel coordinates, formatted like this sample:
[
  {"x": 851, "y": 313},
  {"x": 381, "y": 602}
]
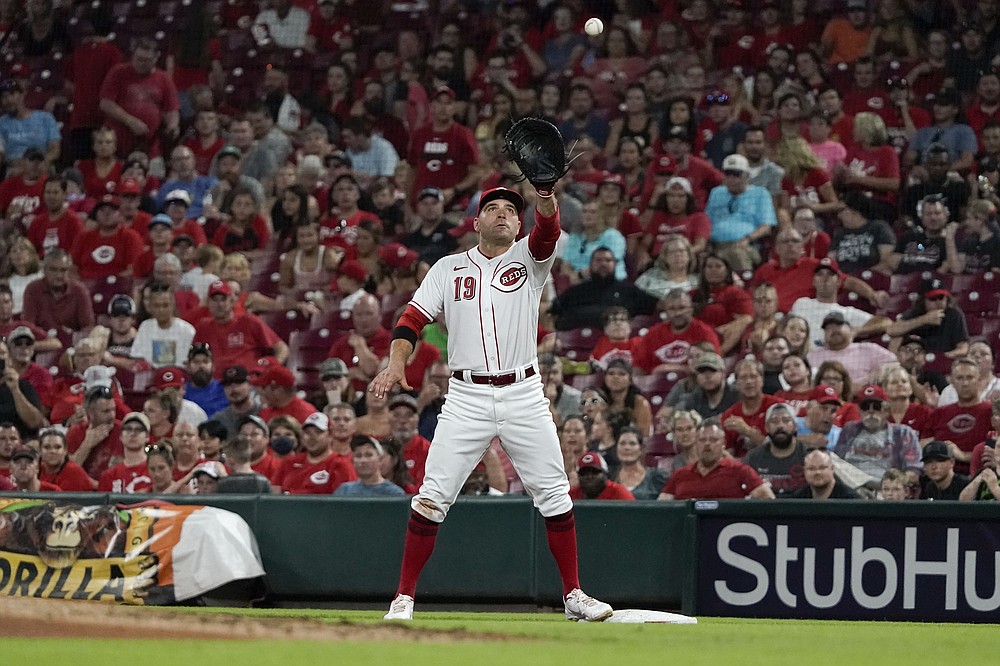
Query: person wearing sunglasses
[
  {"x": 931, "y": 244},
  {"x": 131, "y": 474},
  {"x": 19, "y": 402},
  {"x": 936, "y": 319},
  {"x": 873, "y": 444},
  {"x": 722, "y": 125},
  {"x": 741, "y": 215}
]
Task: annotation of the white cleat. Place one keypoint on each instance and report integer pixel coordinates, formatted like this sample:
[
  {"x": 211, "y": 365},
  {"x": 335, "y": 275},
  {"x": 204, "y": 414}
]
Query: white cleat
[
  {"x": 402, "y": 608},
  {"x": 580, "y": 606}
]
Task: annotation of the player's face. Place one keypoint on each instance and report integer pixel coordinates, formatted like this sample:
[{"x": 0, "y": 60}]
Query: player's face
[{"x": 498, "y": 223}]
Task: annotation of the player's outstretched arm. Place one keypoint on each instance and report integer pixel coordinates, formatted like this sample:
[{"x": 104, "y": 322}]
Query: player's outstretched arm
[{"x": 395, "y": 372}]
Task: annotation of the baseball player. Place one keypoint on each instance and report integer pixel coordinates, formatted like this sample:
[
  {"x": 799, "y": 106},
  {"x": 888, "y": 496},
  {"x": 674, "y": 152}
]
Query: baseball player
[{"x": 490, "y": 297}]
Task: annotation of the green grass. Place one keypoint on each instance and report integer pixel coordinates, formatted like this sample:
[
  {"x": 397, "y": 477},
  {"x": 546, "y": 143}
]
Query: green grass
[{"x": 551, "y": 640}]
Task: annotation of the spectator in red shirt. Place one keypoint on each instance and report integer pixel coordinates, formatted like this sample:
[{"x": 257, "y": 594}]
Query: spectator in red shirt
[
  {"x": 55, "y": 225},
  {"x": 443, "y": 153},
  {"x": 965, "y": 423},
  {"x": 21, "y": 351},
  {"x": 24, "y": 471},
  {"x": 236, "y": 339},
  {"x": 43, "y": 341},
  {"x": 276, "y": 386},
  {"x": 404, "y": 420},
  {"x": 131, "y": 474},
  {"x": 744, "y": 421},
  {"x": 364, "y": 346},
  {"x": 206, "y": 141},
  {"x": 664, "y": 347},
  {"x": 316, "y": 470},
  {"x": 95, "y": 442},
  {"x": 262, "y": 460},
  {"x": 101, "y": 174},
  {"x": 109, "y": 249},
  {"x": 21, "y": 194},
  {"x": 57, "y": 468},
  {"x": 592, "y": 471},
  {"x": 138, "y": 100},
  {"x": 715, "y": 475}
]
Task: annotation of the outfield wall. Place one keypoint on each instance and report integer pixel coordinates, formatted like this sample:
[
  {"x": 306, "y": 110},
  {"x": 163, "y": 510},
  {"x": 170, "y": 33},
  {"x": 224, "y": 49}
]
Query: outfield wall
[{"x": 797, "y": 559}]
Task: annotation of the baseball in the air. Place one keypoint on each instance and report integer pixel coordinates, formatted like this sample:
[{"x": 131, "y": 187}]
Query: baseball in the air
[{"x": 593, "y": 26}]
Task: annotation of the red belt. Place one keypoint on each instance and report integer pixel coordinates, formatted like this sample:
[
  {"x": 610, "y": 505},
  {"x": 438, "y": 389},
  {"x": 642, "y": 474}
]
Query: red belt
[{"x": 495, "y": 380}]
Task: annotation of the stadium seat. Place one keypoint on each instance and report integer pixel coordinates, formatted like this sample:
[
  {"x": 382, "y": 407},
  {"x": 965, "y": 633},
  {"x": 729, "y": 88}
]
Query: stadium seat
[
  {"x": 577, "y": 344},
  {"x": 849, "y": 298},
  {"x": 878, "y": 281},
  {"x": 899, "y": 284},
  {"x": 659, "y": 448},
  {"x": 285, "y": 322},
  {"x": 978, "y": 303},
  {"x": 982, "y": 282},
  {"x": 391, "y": 305},
  {"x": 642, "y": 323},
  {"x": 104, "y": 289},
  {"x": 656, "y": 386},
  {"x": 334, "y": 320},
  {"x": 586, "y": 381}
]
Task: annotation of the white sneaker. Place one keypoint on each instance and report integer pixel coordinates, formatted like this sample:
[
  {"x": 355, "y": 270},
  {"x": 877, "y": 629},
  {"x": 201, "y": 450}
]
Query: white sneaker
[
  {"x": 580, "y": 606},
  {"x": 402, "y": 608}
]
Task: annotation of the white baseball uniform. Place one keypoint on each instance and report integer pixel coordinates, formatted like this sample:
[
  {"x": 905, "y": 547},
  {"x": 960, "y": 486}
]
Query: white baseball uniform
[{"x": 491, "y": 311}]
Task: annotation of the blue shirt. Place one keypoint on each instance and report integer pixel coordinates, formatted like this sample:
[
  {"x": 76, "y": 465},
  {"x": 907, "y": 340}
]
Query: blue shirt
[
  {"x": 578, "y": 250},
  {"x": 735, "y": 218},
  {"x": 36, "y": 131},
  {"x": 831, "y": 437},
  {"x": 211, "y": 398},
  {"x": 596, "y": 128},
  {"x": 358, "y": 489},
  {"x": 379, "y": 160},
  {"x": 958, "y": 139},
  {"x": 197, "y": 188}
]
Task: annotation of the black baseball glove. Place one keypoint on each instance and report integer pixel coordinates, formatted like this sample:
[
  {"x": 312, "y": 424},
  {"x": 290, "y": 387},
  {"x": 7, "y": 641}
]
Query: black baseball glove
[{"x": 537, "y": 147}]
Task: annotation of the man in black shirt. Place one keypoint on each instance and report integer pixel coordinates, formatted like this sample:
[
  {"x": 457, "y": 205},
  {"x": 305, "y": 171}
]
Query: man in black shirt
[
  {"x": 940, "y": 481},
  {"x": 431, "y": 240},
  {"x": 821, "y": 483},
  {"x": 584, "y": 304}
]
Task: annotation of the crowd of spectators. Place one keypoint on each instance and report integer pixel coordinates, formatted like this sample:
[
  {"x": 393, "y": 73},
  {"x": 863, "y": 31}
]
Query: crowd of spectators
[{"x": 776, "y": 277}]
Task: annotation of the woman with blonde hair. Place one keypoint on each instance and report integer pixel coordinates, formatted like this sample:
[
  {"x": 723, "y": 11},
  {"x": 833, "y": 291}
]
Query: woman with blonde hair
[
  {"x": 900, "y": 387},
  {"x": 806, "y": 183},
  {"x": 978, "y": 247},
  {"x": 20, "y": 267},
  {"x": 795, "y": 329},
  {"x": 674, "y": 268},
  {"x": 872, "y": 166}
]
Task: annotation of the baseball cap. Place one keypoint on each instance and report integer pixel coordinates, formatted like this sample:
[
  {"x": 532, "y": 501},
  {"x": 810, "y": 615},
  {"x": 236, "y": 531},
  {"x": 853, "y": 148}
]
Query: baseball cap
[
  {"x": 835, "y": 317},
  {"x": 137, "y": 416},
  {"x": 681, "y": 182},
  {"x": 934, "y": 287},
  {"x": 220, "y": 288},
  {"x": 936, "y": 450},
  {"x": 872, "y": 392},
  {"x": 353, "y": 269},
  {"x": 317, "y": 420},
  {"x": 182, "y": 238},
  {"x": 825, "y": 395},
  {"x": 613, "y": 179},
  {"x": 365, "y": 440},
  {"x": 397, "y": 255},
  {"x": 913, "y": 339},
  {"x": 235, "y": 374},
  {"x": 403, "y": 400},
  {"x": 33, "y": 153},
  {"x": 779, "y": 407},
  {"x": 159, "y": 218},
  {"x": 98, "y": 376},
  {"x": 444, "y": 90},
  {"x": 710, "y": 360},
  {"x": 24, "y": 453},
  {"x": 665, "y": 165},
  {"x": 121, "y": 306},
  {"x": 857, "y": 4},
  {"x": 468, "y": 226},
  {"x": 177, "y": 195},
  {"x": 592, "y": 459},
  {"x": 230, "y": 151},
  {"x": 826, "y": 264},
  {"x": 257, "y": 421},
  {"x": 735, "y": 162},
  {"x": 199, "y": 348},
  {"x": 332, "y": 367},
  {"x": 21, "y": 332},
  {"x": 275, "y": 374},
  {"x": 106, "y": 200},
  {"x": 678, "y": 132},
  {"x": 208, "y": 469},
  {"x": 501, "y": 193},
  {"x": 433, "y": 192},
  {"x": 128, "y": 186},
  {"x": 168, "y": 378},
  {"x": 340, "y": 157}
]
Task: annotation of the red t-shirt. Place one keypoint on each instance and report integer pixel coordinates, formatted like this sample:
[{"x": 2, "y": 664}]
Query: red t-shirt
[
  {"x": 791, "y": 283},
  {"x": 203, "y": 154},
  {"x": 417, "y": 365},
  {"x": 441, "y": 158},
  {"x": 730, "y": 479},
  {"x": 966, "y": 426},
  {"x": 335, "y": 229},
  {"x": 415, "y": 457},
  {"x": 142, "y": 267},
  {"x": 873, "y": 100},
  {"x": 848, "y": 412},
  {"x": 916, "y": 416},
  {"x": 140, "y": 225},
  {"x": 607, "y": 350},
  {"x": 736, "y": 442},
  {"x": 878, "y": 162},
  {"x": 96, "y": 185},
  {"x": 297, "y": 476},
  {"x": 612, "y": 491},
  {"x": 28, "y": 196},
  {"x": 240, "y": 341},
  {"x": 298, "y": 408},
  {"x": 70, "y": 477},
  {"x": 699, "y": 172},
  {"x": 123, "y": 479},
  {"x": 254, "y": 237},
  {"x": 799, "y": 400},
  {"x": 267, "y": 466},
  {"x": 724, "y": 303},
  {"x": 330, "y": 35},
  {"x": 662, "y": 344},
  {"x": 192, "y": 229},
  {"x": 98, "y": 256},
  {"x": 378, "y": 343},
  {"x": 147, "y": 97},
  {"x": 808, "y": 191},
  {"x": 662, "y": 225},
  {"x": 100, "y": 456},
  {"x": 87, "y": 67},
  {"x": 46, "y": 233}
]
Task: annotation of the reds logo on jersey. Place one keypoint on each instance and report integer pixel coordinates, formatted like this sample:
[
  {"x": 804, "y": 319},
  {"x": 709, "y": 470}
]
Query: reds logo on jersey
[
  {"x": 104, "y": 254},
  {"x": 961, "y": 424},
  {"x": 320, "y": 477},
  {"x": 674, "y": 352},
  {"x": 235, "y": 340},
  {"x": 511, "y": 278}
]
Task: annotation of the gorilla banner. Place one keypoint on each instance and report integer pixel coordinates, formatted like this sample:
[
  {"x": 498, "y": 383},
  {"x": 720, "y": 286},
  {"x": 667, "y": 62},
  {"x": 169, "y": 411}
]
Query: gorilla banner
[{"x": 152, "y": 554}]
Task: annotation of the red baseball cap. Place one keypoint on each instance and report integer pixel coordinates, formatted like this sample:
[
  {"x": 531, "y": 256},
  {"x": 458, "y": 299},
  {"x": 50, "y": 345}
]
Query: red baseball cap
[
  {"x": 825, "y": 395},
  {"x": 444, "y": 90},
  {"x": 501, "y": 193},
  {"x": 397, "y": 255},
  {"x": 468, "y": 226},
  {"x": 592, "y": 459},
  {"x": 129, "y": 186},
  {"x": 872, "y": 392},
  {"x": 826, "y": 263},
  {"x": 220, "y": 288},
  {"x": 613, "y": 179},
  {"x": 353, "y": 269},
  {"x": 169, "y": 378},
  {"x": 665, "y": 165},
  {"x": 274, "y": 374}
]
